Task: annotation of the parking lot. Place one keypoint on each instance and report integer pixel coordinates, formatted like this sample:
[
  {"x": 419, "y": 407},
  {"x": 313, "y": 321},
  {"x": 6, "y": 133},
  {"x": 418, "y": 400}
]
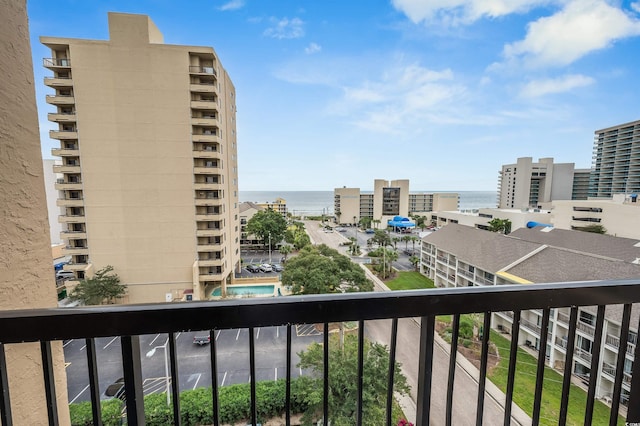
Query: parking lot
[
  {"x": 256, "y": 258},
  {"x": 194, "y": 368}
]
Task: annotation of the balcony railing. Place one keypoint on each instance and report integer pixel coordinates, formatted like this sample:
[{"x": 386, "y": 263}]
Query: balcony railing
[
  {"x": 202, "y": 70},
  {"x": 131, "y": 321},
  {"x": 56, "y": 62}
]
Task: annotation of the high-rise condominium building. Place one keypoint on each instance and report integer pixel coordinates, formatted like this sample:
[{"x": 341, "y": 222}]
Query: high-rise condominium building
[
  {"x": 147, "y": 137},
  {"x": 388, "y": 199},
  {"x": 616, "y": 160},
  {"x": 527, "y": 184}
]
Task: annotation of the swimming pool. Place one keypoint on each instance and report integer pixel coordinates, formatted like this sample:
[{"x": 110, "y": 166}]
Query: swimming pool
[{"x": 245, "y": 290}]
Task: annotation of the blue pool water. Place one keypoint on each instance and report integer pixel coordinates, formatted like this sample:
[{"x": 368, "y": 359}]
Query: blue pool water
[{"x": 243, "y": 290}]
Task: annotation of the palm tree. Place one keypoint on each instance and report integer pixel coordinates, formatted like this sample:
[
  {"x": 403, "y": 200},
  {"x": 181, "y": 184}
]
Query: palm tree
[
  {"x": 285, "y": 249},
  {"x": 338, "y": 213}
]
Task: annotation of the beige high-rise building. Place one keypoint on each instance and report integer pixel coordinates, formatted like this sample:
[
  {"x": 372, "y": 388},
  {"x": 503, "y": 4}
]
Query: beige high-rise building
[{"x": 147, "y": 135}]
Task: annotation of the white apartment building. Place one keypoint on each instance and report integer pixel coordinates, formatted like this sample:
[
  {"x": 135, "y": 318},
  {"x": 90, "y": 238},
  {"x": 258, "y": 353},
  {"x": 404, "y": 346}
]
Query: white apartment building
[
  {"x": 460, "y": 256},
  {"x": 149, "y": 165},
  {"x": 616, "y": 161},
  {"x": 619, "y": 215},
  {"x": 480, "y": 218},
  {"x": 388, "y": 199},
  {"x": 527, "y": 184}
]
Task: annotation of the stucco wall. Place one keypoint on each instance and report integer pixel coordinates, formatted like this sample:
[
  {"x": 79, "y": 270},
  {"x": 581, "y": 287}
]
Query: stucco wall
[{"x": 26, "y": 273}]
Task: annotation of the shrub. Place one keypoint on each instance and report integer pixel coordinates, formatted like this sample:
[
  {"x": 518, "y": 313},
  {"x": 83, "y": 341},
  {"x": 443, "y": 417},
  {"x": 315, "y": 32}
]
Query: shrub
[{"x": 81, "y": 415}]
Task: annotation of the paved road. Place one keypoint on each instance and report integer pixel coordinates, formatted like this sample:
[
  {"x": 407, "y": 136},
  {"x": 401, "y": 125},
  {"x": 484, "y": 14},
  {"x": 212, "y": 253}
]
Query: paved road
[{"x": 465, "y": 387}]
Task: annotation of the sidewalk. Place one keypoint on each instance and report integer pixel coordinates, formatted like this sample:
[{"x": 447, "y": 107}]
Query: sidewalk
[{"x": 518, "y": 416}]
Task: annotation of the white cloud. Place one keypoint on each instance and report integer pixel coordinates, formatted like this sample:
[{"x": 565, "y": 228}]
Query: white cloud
[
  {"x": 636, "y": 6},
  {"x": 312, "y": 48},
  {"x": 285, "y": 28},
  {"x": 232, "y": 5},
  {"x": 454, "y": 12},
  {"x": 402, "y": 99},
  {"x": 583, "y": 26},
  {"x": 537, "y": 88}
]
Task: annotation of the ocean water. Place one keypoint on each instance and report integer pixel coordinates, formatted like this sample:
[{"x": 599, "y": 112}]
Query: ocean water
[{"x": 319, "y": 202}]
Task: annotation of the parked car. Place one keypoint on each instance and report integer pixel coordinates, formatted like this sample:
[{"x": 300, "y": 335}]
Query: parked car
[
  {"x": 65, "y": 275},
  {"x": 116, "y": 389},
  {"x": 341, "y": 229},
  {"x": 369, "y": 231},
  {"x": 253, "y": 268},
  {"x": 328, "y": 229},
  {"x": 409, "y": 252},
  {"x": 277, "y": 267},
  {"x": 201, "y": 340},
  {"x": 265, "y": 267}
]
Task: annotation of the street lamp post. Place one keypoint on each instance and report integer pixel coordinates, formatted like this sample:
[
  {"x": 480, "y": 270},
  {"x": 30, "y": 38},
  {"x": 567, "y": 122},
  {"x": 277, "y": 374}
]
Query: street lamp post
[
  {"x": 166, "y": 365},
  {"x": 269, "y": 247}
]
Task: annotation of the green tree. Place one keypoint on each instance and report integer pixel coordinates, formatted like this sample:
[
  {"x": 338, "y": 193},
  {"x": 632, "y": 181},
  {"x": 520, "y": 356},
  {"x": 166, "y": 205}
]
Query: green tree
[
  {"x": 103, "y": 287},
  {"x": 321, "y": 269},
  {"x": 415, "y": 260},
  {"x": 301, "y": 240},
  {"x": 285, "y": 250},
  {"x": 381, "y": 238},
  {"x": 502, "y": 226},
  {"x": 596, "y": 229},
  {"x": 267, "y": 225},
  {"x": 343, "y": 377},
  {"x": 365, "y": 222}
]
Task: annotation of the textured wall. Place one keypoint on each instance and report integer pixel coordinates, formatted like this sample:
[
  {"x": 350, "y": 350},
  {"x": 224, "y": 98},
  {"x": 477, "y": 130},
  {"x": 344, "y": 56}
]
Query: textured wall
[{"x": 26, "y": 273}]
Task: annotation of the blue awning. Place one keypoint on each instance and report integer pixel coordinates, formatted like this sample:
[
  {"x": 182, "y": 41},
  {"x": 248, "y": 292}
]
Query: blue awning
[{"x": 401, "y": 222}]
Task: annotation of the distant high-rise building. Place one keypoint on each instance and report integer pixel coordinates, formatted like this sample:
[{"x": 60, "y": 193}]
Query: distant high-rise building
[
  {"x": 527, "y": 184},
  {"x": 149, "y": 169},
  {"x": 389, "y": 199},
  {"x": 616, "y": 160}
]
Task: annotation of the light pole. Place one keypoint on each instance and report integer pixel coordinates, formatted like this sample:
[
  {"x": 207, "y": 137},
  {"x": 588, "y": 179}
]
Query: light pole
[
  {"x": 166, "y": 365},
  {"x": 269, "y": 247}
]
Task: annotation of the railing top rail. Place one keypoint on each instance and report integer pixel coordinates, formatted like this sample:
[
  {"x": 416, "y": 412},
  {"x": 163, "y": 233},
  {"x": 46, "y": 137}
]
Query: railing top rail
[{"x": 67, "y": 323}]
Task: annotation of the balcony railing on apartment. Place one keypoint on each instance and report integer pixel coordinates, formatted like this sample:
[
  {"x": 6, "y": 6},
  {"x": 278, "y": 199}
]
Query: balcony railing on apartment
[
  {"x": 202, "y": 70},
  {"x": 130, "y": 321},
  {"x": 56, "y": 62}
]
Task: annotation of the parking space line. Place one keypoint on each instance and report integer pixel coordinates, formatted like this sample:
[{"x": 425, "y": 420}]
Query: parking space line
[
  {"x": 277, "y": 332},
  {"x": 238, "y": 335},
  {"x": 154, "y": 340},
  {"x": 218, "y": 334},
  {"x": 65, "y": 345},
  {"x": 258, "y": 334},
  {"x": 83, "y": 347},
  {"x": 78, "y": 395},
  {"x": 197, "y": 380},
  {"x": 178, "y": 335},
  {"x": 223, "y": 379},
  {"x": 275, "y": 376},
  {"x": 107, "y": 345}
]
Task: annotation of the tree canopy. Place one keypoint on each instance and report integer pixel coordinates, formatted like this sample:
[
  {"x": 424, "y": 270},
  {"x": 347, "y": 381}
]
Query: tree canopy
[
  {"x": 103, "y": 287},
  {"x": 321, "y": 269},
  {"x": 267, "y": 223},
  {"x": 502, "y": 226},
  {"x": 343, "y": 377}
]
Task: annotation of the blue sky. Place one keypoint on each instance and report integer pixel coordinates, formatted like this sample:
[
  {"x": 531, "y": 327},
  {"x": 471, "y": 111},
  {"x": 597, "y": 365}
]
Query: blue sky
[{"x": 442, "y": 92}]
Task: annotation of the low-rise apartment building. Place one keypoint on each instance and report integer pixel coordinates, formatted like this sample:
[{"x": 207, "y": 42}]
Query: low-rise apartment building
[
  {"x": 460, "y": 256},
  {"x": 480, "y": 218}
]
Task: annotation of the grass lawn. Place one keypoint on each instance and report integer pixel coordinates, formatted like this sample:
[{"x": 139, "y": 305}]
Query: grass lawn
[
  {"x": 409, "y": 281},
  {"x": 525, "y": 383}
]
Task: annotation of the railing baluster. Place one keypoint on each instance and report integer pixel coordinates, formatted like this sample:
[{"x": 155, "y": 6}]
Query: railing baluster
[
  {"x": 425, "y": 369},
  {"x": 252, "y": 374},
  {"x": 325, "y": 376},
  {"x": 94, "y": 388},
  {"x": 482, "y": 379},
  {"x": 287, "y": 401},
  {"x": 568, "y": 366},
  {"x": 132, "y": 369},
  {"x": 360, "y": 371},
  {"x": 392, "y": 368},
  {"x": 214, "y": 379},
  {"x": 511, "y": 376},
  {"x": 622, "y": 350},
  {"x": 633, "y": 407},
  {"x": 49, "y": 382},
  {"x": 455, "y": 329},
  {"x": 5, "y": 400},
  {"x": 595, "y": 362},
  {"x": 537, "y": 398},
  {"x": 175, "y": 381}
]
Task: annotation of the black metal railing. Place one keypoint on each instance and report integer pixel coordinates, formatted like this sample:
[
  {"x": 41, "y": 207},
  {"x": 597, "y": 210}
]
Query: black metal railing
[
  {"x": 56, "y": 62},
  {"x": 131, "y": 321}
]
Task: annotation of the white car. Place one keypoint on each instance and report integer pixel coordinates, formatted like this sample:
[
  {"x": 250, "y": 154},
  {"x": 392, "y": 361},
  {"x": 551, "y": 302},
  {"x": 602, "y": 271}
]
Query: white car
[{"x": 265, "y": 267}]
